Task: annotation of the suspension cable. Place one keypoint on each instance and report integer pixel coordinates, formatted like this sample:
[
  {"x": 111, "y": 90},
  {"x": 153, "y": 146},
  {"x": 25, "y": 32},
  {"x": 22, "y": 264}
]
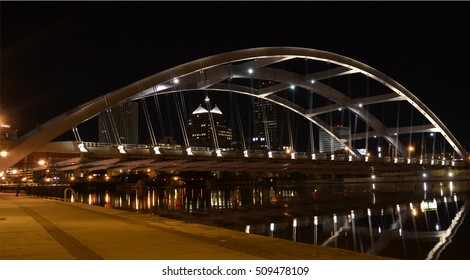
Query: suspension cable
[
  {"x": 310, "y": 105},
  {"x": 103, "y": 122},
  {"x": 410, "y": 147},
  {"x": 76, "y": 134},
  {"x": 148, "y": 122},
  {"x": 181, "y": 120},
  {"x": 398, "y": 126},
  {"x": 289, "y": 129},
  {"x": 211, "y": 122},
  {"x": 167, "y": 99},
  {"x": 367, "y": 118},
  {"x": 349, "y": 116},
  {"x": 159, "y": 114},
  {"x": 237, "y": 112},
  {"x": 113, "y": 126}
]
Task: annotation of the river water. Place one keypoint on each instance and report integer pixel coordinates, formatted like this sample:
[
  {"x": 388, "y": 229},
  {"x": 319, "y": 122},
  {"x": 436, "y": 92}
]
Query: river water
[{"x": 415, "y": 221}]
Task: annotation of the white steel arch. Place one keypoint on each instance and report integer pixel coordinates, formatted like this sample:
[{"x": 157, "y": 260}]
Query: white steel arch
[{"x": 208, "y": 73}]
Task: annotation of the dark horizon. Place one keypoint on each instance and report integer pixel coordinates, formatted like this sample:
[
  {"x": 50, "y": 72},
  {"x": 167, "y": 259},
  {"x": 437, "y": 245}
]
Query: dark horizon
[{"x": 59, "y": 55}]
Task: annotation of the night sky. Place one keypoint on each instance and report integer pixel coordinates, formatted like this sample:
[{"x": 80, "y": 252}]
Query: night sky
[{"x": 57, "y": 55}]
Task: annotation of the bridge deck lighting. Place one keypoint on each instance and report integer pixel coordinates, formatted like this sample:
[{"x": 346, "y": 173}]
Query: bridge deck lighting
[
  {"x": 3, "y": 153},
  {"x": 82, "y": 148},
  {"x": 121, "y": 149},
  {"x": 245, "y": 153},
  {"x": 250, "y": 71}
]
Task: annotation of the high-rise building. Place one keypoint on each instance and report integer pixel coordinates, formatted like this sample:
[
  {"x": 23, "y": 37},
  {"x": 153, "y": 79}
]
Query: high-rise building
[
  {"x": 270, "y": 124},
  {"x": 201, "y": 128},
  {"x": 7, "y": 133},
  {"x": 120, "y": 123},
  {"x": 327, "y": 144}
]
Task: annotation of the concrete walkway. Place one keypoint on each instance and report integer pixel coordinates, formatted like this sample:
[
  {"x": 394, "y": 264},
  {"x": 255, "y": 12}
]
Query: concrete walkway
[{"x": 44, "y": 229}]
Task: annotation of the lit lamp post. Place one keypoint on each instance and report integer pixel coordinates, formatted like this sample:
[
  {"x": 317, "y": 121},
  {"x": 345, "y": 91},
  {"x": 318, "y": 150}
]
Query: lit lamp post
[
  {"x": 433, "y": 146},
  {"x": 410, "y": 151}
]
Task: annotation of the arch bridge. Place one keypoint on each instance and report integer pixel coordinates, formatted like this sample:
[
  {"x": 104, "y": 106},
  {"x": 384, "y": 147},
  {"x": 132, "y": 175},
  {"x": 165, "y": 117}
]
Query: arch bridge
[{"x": 320, "y": 103}]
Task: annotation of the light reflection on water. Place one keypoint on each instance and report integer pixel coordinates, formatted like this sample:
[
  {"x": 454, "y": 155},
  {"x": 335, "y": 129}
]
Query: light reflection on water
[{"x": 400, "y": 220}]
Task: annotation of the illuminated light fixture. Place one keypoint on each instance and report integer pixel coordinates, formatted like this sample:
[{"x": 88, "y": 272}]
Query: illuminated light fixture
[
  {"x": 451, "y": 174},
  {"x": 41, "y": 162},
  {"x": 270, "y": 154},
  {"x": 315, "y": 220},
  {"x": 294, "y": 223},
  {"x": 432, "y": 162},
  {"x": 161, "y": 87},
  {"x": 245, "y": 153},
  {"x": 189, "y": 152},
  {"x": 453, "y": 163},
  {"x": 312, "y": 81},
  {"x": 366, "y": 159},
  {"x": 292, "y": 156},
  {"x": 250, "y": 71},
  {"x": 335, "y": 218},
  {"x": 121, "y": 149},
  {"x": 157, "y": 150},
  {"x": 425, "y": 175},
  {"x": 176, "y": 81},
  {"x": 373, "y": 176},
  {"x": 421, "y": 161},
  {"x": 292, "y": 87},
  {"x": 3, "y": 153},
  {"x": 218, "y": 152},
  {"x": 408, "y": 160},
  {"x": 395, "y": 160},
  {"x": 82, "y": 149},
  {"x": 332, "y": 157},
  {"x": 360, "y": 105},
  {"x": 271, "y": 226},
  {"x": 247, "y": 229},
  {"x": 443, "y": 162},
  {"x": 368, "y": 212},
  {"x": 350, "y": 158},
  {"x": 314, "y": 157}
]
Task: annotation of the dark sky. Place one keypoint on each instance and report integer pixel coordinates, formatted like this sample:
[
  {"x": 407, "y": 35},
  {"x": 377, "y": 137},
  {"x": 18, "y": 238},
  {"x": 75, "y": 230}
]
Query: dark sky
[{"x": 58, "y": 55}]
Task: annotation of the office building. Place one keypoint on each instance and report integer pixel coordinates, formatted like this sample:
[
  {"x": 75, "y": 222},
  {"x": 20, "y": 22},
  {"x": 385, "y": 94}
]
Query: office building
[
  {"x": 120, "y": 124},
  {"x": 200, "y": 127}
]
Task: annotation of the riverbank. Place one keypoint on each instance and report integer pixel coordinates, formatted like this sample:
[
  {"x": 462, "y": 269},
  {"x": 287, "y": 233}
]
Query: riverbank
[{"x": 44, "y": 229}]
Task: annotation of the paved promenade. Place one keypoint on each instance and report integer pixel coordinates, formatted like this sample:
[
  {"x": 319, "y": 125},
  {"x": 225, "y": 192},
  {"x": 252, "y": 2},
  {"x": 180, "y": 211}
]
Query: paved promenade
[{"x": 45, "y": 229}]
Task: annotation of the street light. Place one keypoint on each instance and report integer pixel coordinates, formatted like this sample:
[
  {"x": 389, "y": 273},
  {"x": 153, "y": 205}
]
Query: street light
[
  {"x": 410, "y": 151},
  {"x": 3, "y": 153}
]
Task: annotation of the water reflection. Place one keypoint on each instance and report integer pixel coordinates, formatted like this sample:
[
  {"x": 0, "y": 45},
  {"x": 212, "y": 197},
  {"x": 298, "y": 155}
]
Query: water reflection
[{"x": 399, "y": 220}]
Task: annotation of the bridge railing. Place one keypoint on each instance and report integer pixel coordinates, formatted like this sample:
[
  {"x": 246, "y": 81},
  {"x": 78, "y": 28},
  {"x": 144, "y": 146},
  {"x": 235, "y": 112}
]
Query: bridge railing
[{"x": 178, "y": 150}]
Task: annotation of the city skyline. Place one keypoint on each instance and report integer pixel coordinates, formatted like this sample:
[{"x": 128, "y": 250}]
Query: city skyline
[{"x": 86, "y": 58}]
